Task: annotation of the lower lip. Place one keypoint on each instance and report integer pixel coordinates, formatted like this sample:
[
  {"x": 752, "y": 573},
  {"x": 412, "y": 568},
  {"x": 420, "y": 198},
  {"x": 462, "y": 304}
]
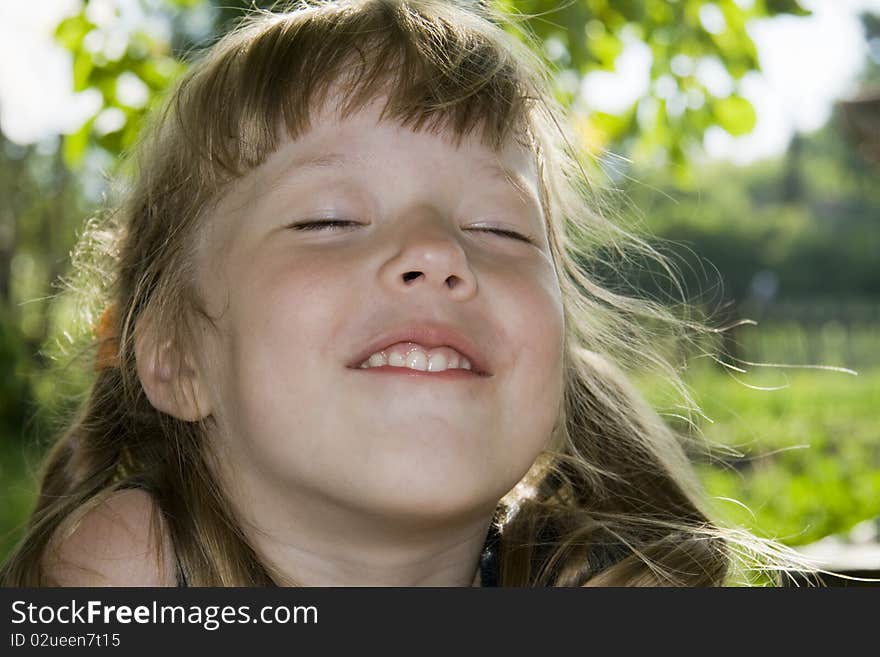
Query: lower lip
[{"x": 455, "y": 374}]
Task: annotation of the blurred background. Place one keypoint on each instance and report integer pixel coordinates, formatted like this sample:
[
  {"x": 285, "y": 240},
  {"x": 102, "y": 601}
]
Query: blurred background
[{"x": 742, "y": 136}]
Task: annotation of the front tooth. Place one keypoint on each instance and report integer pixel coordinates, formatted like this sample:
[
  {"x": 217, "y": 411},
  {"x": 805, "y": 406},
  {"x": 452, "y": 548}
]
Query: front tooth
[
  {"x": 417, "y": 360},
  {"x": 437, "y": 362},
  {"x": 465, "y": 363},
  {"x": 377, "y": 360},
  {"x": 396, "y": 359}
]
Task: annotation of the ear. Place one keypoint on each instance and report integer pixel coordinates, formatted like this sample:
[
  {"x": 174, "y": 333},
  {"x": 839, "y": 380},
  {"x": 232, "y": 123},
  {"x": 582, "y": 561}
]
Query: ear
[{"x": 171, "y": 381}]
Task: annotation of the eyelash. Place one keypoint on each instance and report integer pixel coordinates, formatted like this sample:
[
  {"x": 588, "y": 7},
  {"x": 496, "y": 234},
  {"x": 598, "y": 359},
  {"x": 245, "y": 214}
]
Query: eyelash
[
  {"x": 321, "y": 225},
  {"x": 339, "y": 223}
]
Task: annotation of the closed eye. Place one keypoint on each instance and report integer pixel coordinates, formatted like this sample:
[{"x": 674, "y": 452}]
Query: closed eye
[
  {"x": 334, "y": 224},
  {"x": 507, "y": 233},
  {"x": 331, "y": 224}
]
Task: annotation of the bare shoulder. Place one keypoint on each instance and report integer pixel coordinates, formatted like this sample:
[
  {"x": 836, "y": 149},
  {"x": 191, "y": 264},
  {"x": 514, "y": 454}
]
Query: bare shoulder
[{"x": 121, "y": 542}]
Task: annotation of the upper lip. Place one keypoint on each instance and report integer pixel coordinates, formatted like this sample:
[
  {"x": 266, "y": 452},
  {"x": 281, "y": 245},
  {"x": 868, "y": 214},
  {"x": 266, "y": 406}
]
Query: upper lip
[{"x": 428, "y": 334}]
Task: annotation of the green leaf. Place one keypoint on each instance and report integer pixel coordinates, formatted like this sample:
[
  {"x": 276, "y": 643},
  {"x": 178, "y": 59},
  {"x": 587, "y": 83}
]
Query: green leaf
[
  {"x": 82, "y": 69},
  {"x": 71, "y": 31},
  {"x": 786, "y": 7},
  {"x": 735, "y": 114}
]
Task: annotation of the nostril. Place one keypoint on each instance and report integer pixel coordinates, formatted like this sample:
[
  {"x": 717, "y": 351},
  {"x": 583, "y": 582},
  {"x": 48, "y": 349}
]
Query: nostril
[{"x": 407, "y": 277}]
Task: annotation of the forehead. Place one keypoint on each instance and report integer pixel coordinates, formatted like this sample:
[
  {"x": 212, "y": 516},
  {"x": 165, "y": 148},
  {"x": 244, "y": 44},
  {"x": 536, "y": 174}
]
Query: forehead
[{"x": 365, "y": 138}]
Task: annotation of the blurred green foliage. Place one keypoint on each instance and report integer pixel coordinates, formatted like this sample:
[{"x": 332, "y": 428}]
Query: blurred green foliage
[
  {"x": 805, "y": 224},
  {"x": 670, "y": 117},
  {"x": 106, "y": 58}
]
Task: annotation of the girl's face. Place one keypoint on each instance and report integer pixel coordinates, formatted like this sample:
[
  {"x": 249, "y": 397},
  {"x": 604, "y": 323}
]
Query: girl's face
[{"x": 300, "y": 309}]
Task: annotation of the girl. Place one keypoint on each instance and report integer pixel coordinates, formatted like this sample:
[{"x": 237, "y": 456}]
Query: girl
[{"x": 351, "y": 338}]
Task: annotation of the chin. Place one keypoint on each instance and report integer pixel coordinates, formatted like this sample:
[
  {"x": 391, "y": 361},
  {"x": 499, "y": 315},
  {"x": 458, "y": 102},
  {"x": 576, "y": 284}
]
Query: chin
[{"x": 434, "y": 496}]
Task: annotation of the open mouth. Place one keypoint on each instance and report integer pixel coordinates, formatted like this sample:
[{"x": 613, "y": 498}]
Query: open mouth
[
  {"x": 414, "y": 357},
  {"x": 427, "y": 348}
]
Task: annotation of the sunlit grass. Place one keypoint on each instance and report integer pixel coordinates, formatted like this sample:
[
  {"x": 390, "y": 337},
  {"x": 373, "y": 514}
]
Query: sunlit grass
[{"x": 804, "y": 448}]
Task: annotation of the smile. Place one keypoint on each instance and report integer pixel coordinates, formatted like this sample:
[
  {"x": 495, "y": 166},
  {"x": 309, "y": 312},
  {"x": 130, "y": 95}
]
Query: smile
[{"x": 410, "y": 355}]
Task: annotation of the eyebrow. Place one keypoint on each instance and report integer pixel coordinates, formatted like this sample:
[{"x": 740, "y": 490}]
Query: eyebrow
[
  {"x": 303, "y": 165},
  {"x": 307, "y": 163},
  {"x": 518, "y": 182}
]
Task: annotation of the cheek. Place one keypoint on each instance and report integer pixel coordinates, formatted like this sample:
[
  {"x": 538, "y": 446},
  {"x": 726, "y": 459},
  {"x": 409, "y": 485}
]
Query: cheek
[
  {"x": 290, "y": 306},
  {"x": 534, "y": 318},
  {"x": 277, "y": 349},
  {"x": 534, "y": 326}
]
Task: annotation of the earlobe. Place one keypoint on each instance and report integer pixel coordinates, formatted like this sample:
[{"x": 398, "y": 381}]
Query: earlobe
[{"x": 170, "y": 380}]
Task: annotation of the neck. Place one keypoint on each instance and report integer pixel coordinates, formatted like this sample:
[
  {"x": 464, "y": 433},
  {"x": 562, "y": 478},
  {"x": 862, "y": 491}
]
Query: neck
[{"x": 313, "y": 541}]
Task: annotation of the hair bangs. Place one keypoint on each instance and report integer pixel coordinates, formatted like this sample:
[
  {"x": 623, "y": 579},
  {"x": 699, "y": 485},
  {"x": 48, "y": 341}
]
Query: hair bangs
[{"x": 434, "y": 67}]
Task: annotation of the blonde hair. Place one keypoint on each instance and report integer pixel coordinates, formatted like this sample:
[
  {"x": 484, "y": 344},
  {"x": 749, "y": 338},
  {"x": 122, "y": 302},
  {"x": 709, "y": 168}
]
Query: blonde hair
[{"x": 613, "y": 500}]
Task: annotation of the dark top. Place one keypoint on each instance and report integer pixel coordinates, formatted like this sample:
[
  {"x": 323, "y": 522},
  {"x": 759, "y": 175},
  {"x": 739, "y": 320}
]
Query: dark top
[{"x": 489, "y": 558}]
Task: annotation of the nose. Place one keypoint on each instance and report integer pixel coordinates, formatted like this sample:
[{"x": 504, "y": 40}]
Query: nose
[{"x": 430, "y": 259}]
